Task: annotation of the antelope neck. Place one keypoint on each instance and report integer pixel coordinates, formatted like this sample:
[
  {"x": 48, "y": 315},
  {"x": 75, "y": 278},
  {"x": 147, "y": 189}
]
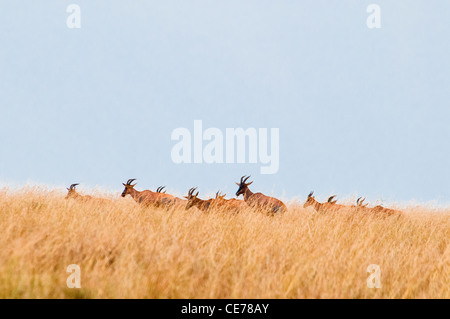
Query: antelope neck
[
  {"x": 201, "y": 204},
  {"x": 134, "y": 193},
  {"x": 247, "y": 194},
  {"x": 317, "y": 205}
]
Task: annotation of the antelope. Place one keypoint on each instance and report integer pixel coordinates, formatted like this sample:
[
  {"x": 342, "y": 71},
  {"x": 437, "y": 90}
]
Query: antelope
[
  {"x": 361, "y": 207},
  {"x": 231, "y": 205},
  {"x": 321, "y": 207},
  {"x": 376, "y": 209},
  {"x": 172, "y": 201},
  {"x": 331, "y": 201},
  {"x": 74, "y": 194},
  {"x": 381, "y": 209},
  {"x": 219, "y": 200},
  {"x": 160, "y": 188},
  {"x": 359, "y": 202},
  {"x": 148, "y": 197},
  {"x": 145, "y": 197},
  {"x": 193, "y": 200},
  {"x": 259, "y": 200},
  {"x": 169, "y": 200}
]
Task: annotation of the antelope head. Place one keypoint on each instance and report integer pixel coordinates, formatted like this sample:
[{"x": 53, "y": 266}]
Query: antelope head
[
  {"x": 243, "y": 185},
  {"x": 310, "y": 200},
  {"x": 331, "y": 201},
  {"x": 191, "y": 197},
  {"x": 128, "y": 187},
  {"x": 219, "y": 195},
  {"x": 359, "y": 202},
  {"x": 72, "y": 192},
  {"x": 160, "y": 188}
]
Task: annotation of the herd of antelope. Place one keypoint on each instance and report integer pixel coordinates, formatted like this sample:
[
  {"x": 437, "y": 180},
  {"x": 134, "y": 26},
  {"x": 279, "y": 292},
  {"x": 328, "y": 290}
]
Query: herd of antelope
[{"x": 256, "y": 201}]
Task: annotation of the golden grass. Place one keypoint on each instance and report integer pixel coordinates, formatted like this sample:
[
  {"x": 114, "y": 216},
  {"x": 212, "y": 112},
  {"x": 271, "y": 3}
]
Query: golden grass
[{"x": 126, "y": 251}]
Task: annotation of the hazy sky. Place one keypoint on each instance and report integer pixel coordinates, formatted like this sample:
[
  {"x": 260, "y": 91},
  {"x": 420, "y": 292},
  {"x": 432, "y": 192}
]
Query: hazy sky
[{"x": 359, "y": 110}]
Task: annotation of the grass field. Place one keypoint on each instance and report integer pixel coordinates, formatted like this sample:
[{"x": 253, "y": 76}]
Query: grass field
[{"x": 126, "y": 251}]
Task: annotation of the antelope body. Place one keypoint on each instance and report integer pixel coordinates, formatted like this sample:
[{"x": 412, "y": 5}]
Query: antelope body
[
  {"x": 146, "y": 197},
  {"x": 331, "y": 201},
  {"x": 330, "y": 205},
  {"x": 388, "y": 211},
  {"x": 194, "y": 201},
  {"x": 72, "y": 193},
  {"x": 160, "y": 188},
  {"x": 258, "y": 200},
  {"x": 230, "y": 205},
  {"x": 374, "y": 210}
]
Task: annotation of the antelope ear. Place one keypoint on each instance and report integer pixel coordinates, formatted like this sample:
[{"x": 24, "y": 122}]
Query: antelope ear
[
  {"x": 249, "y": 183},
  {"x": 238, "y": 184},
  {"x": 187, "y": 197},
  {"x": 133, "y": 185},
  {"x": 67, "y": 189},
  {"x": 124, "y": 184}
]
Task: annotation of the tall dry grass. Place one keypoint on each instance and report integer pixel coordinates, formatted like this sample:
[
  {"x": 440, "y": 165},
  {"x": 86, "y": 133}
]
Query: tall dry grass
[{"x": 126, "y": 251}]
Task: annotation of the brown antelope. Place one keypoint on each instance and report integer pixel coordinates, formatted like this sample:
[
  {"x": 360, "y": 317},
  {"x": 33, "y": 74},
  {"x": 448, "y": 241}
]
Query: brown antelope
[
  {"x": 322, "y": 207},
  {"x": 74, "y": 194},
  {"x": 194, "y": 201},
  {"x": 160, "y": 188},
  {"x": 258, "y": 200},
  {"x": 148, "y": 197},
  {"x": 169, "y": 200},
  {"x": 230, "y": 205},
  {"x": 331, "y": 201},
  {"x": 360, "y": 207},
  {"x": 359, "y": 202},
  {"x": 145, "y": 197},
  {"x": 384, "y": 210},
  {"x": 376, "y": 210}
]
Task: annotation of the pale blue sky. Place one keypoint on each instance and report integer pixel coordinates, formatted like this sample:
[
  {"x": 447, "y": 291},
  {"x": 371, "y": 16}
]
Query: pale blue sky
[{"x": 360, "y": 111}]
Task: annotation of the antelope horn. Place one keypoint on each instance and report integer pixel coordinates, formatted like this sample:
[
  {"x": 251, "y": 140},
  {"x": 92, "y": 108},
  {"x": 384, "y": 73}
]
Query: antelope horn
[
  {"x": 130, "y": 181},
  {"x": 245, "y": 180},
  {"x": 357, "y": 201},
  {"x": 219, "y": 195},
  {"x": 191, "y": 191},
  {"x": 311, "y": 193},
  {"x": 160, "y": 188},
  {"x": 73, "y": 186},
  {"x": 331, "y": 198}
]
